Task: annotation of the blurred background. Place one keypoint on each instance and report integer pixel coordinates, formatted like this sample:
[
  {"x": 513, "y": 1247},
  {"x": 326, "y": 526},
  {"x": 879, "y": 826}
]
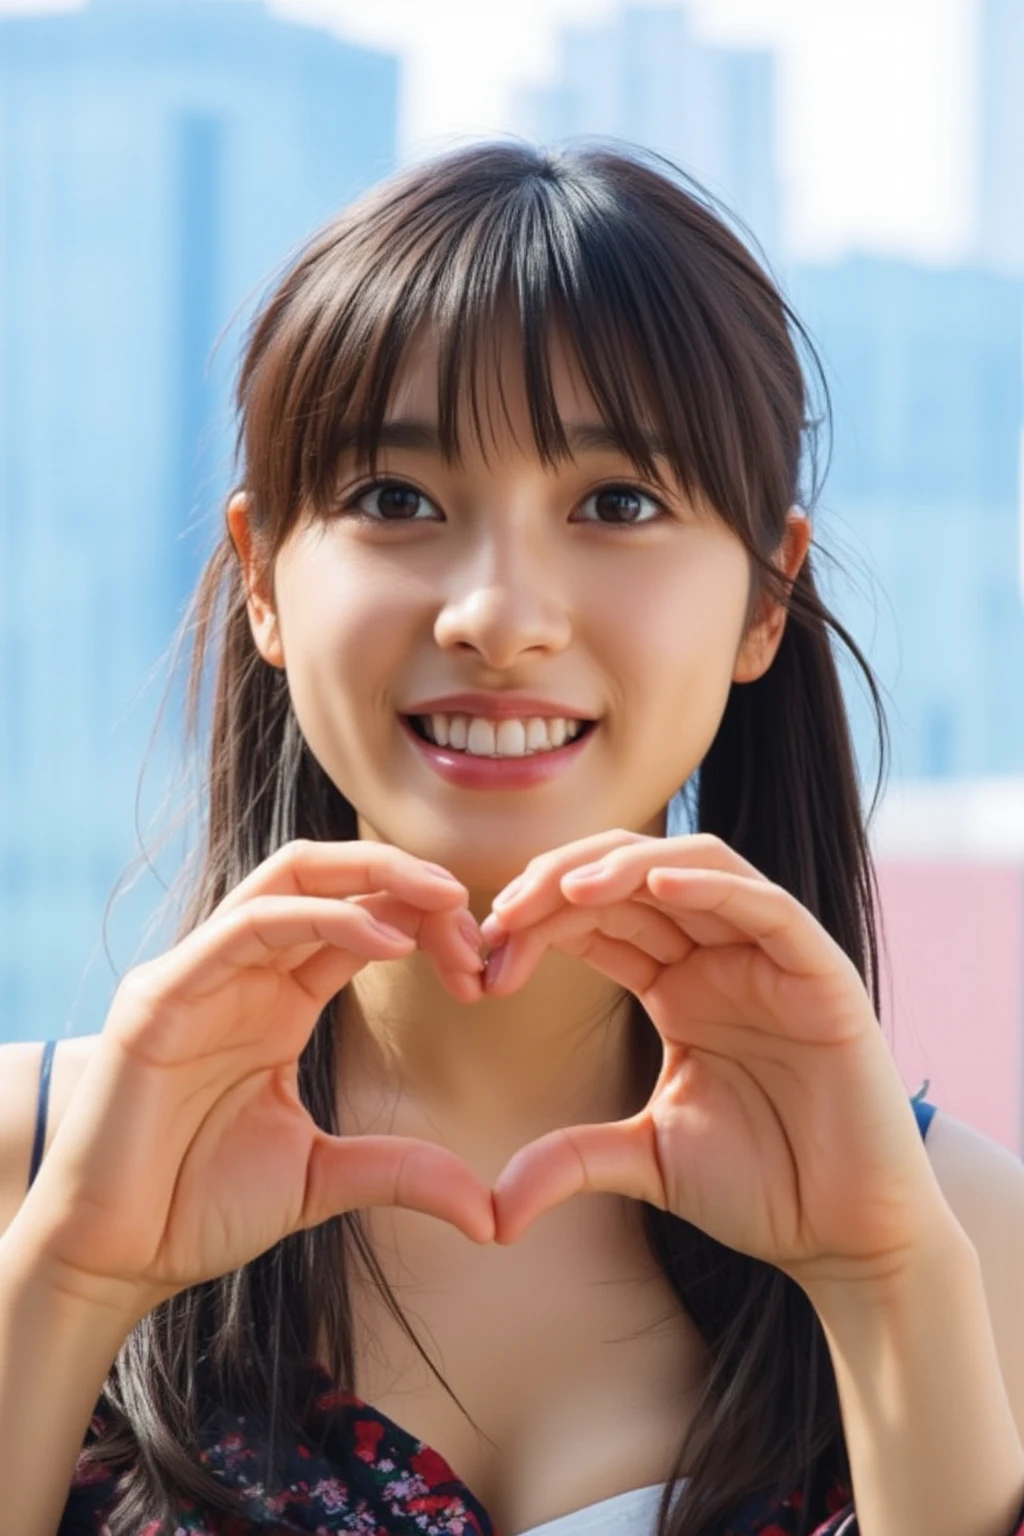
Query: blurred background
[{"x": 160, "y": 160}]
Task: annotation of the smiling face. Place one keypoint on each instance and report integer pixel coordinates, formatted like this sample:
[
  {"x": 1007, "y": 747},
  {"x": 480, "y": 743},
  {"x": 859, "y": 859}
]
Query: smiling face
[{"x": 613, "y": 599}]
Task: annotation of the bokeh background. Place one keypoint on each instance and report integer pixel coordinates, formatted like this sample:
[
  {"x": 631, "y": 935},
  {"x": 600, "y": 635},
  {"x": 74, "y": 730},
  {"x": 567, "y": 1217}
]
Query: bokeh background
[{"x": 161, "y": 159}]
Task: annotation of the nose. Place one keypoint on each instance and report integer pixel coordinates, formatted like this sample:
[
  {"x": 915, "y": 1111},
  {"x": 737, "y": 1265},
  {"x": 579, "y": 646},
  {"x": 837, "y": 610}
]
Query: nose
[{"x": 505, "y": 600}]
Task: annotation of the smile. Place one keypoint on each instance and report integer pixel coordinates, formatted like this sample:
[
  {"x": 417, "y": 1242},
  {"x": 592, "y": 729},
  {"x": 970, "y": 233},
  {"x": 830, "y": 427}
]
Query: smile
[{"x": 505, "y": 754}]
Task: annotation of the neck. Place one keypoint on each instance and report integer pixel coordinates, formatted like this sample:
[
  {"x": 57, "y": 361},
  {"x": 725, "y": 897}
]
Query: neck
[{"x": 485, "y": 1077}]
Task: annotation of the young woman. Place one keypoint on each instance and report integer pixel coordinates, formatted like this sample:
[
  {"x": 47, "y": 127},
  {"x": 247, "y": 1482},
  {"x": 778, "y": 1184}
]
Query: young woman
[{"x": 516, "y": 563}]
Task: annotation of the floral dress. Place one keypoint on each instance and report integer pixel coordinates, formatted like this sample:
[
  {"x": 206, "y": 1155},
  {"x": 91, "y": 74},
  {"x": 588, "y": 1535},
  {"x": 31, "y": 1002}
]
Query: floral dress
[{"x": 379, "y": 1481}]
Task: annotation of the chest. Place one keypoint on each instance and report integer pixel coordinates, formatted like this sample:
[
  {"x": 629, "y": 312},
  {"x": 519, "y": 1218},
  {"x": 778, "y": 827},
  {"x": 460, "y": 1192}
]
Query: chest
[{"x": 576, "y": 1366}]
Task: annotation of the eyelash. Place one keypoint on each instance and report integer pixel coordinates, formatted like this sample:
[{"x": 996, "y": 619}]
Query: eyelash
[{"x": 351, "y": 508}]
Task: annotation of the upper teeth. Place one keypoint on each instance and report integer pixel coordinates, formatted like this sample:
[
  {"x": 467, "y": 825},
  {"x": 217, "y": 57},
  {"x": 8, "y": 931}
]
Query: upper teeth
[{"x": 499, "y": 738}]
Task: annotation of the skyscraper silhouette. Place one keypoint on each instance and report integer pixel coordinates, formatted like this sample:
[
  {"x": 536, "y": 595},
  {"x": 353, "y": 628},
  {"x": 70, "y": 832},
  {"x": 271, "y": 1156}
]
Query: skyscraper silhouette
[{"x": 159, "y": 159}]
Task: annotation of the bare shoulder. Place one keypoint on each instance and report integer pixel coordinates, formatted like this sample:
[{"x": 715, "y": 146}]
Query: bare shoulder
[
  {"x": 983, "y": 1184},
  {"x": 20, "y": 1063},
  {"x": 976, "y": 1174}
]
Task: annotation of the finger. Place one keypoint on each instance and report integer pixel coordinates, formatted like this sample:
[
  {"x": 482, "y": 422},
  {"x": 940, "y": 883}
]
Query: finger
[
  {"x": 450, "y": 937},
  {"x": 701, "y": 927},
  {"x": 635, "y": 940},
  {"x": 619, "y": 872},
  {"x": 456, "y": 958},
  {"x": 769, "y": 915},
  {"x": 624, "y": 871},
  {"x": 265, "y": 932},
  {"x": 615, "y": 1159},
  {"x": 542, "y": 874},
  {"x": 351, "y": 1173},
  {"x": 305, "y": 867}
]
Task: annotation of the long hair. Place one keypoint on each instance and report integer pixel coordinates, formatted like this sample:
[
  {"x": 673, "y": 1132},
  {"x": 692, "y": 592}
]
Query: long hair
[{"x": 674, "y": 324}]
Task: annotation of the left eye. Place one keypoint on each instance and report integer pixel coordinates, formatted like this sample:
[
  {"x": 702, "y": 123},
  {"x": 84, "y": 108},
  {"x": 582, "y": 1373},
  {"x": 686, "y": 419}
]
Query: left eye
[
  {"x": 396, "y": 502},
  {"x": 624, "y": 503}
]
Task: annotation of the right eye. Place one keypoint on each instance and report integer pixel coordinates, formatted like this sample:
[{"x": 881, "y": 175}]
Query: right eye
[{"x": 394, "y": 500}]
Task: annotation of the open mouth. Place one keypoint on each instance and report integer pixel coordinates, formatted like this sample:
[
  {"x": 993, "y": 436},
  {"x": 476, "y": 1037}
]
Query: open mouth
[{"x": 534, "y": 738}]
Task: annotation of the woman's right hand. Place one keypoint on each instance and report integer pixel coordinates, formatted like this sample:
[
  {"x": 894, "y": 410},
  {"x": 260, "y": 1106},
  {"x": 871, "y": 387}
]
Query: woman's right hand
[{"x": 185, "y": 1150}]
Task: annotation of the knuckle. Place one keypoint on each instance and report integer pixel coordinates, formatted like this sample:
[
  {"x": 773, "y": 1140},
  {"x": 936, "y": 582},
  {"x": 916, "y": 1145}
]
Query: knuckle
[
  {"x": 294, "y": 851},
  {"x": 139, "y": 991},
  {"x": 137, "y": 983}
]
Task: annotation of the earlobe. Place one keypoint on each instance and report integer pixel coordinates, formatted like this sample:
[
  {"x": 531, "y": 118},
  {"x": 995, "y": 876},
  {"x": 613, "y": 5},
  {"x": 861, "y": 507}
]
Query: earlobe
[
  {"x": 763, "y": 638},
  {"x": 263, "y": 619}
]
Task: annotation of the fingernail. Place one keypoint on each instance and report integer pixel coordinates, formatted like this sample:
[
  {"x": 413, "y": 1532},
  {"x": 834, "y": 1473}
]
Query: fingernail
[
  {"x": 387, "y": 932},
  {"x": 495, "y": 964},
  {"x": 445, "y": 874},
  {"x": 467, "y": 926},
  {"x": 587, "y": 871},
  {"x": 491, "y": 930},
  {"x": 509, "y": 892}
]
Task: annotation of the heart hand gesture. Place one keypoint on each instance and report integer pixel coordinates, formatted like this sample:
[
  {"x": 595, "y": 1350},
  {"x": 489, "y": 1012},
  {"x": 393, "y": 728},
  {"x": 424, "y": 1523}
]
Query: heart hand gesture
[{"x": 778, "y": 1124}]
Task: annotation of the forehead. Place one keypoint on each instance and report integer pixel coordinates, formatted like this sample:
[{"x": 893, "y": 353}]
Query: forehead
[{"x": 494, "y": 385}]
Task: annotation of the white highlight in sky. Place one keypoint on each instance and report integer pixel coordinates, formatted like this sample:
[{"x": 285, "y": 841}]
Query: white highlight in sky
[{"x": 876, "y": 98}]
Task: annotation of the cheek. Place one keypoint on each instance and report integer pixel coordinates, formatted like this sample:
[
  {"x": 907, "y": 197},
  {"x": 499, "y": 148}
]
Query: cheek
[
  {"x": 681, "y": 638},
  {"x": 345, "y": 637}
]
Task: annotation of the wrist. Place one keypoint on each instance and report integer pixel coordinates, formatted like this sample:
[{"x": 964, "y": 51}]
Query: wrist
[
  {"x": 31, "y": 1269},
  {"x": 844, "y": 1291},
  {"x": 929, "y": 1427}
]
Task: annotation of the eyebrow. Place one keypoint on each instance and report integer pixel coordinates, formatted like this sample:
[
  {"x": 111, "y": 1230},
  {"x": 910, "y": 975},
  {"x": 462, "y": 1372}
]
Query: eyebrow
[{"x": 583, "y": 437}]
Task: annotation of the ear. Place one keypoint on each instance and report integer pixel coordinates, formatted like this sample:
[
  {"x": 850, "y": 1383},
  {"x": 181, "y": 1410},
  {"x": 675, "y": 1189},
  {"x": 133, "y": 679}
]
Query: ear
[
  {"x": 263, "y": 620},
  {"x": 763, "y": 638}
]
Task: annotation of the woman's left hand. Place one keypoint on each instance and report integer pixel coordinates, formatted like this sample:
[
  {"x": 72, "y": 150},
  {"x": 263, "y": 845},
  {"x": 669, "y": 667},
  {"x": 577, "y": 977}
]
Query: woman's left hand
[{"x": 779, "y": 1124}]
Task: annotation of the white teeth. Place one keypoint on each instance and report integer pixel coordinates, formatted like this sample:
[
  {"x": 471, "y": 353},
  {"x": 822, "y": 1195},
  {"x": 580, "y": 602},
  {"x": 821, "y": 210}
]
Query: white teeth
[
  {"x": 510, "y": 738},
  {"x": 500, "y": 738},
  {"x": 480, "y": 740},
  {"x": 457, "y": 731},
  {"x": 536, "y": 735}
]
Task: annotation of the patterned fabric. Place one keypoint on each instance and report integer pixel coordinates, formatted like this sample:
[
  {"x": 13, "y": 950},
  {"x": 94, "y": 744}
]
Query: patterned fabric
[
  {"x": 385, "y": 1482},
  {"x": 374, "y": 1478}
]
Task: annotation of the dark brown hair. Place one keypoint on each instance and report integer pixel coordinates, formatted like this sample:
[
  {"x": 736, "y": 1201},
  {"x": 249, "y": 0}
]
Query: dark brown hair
[{"x": 676, "y": 326}]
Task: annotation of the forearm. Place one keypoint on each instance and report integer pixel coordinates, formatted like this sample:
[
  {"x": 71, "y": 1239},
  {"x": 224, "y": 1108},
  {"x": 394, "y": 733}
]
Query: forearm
[
  {"x": 934, "y": 1450},
  {"x": 55, "y": 1352}
]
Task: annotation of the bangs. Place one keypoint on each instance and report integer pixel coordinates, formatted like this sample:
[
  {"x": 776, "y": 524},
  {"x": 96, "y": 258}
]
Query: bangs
[{"x": 501, "y": 242}]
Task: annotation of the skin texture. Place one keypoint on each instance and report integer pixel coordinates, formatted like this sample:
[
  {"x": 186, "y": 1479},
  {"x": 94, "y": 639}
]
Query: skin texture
[{"x": 510, "y": 575}]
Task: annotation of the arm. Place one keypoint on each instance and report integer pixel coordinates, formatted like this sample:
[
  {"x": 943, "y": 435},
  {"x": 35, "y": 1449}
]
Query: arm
[
  {"x": 933, "y": 1446},
  {"x": 55, "y": 1351}
]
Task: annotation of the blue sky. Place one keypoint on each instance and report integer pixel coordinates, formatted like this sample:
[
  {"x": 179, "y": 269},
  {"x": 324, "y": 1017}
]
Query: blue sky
[{"x": 876, "y": 126}]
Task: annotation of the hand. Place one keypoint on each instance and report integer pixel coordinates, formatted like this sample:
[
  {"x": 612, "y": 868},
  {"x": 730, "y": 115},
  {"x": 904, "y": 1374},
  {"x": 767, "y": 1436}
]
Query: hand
[
  {"x": 186, "y": 1151},
  {"x": 778, "y": 1124}
]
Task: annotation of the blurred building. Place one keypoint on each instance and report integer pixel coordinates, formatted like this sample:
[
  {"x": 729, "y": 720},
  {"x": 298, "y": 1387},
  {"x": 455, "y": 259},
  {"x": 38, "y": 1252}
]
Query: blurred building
[
  {"x": 921, "y": 503},
  {"x": 1000, "y": 123},
  {"x": 645, "y": 77},
  {"x": 158, "y": 158}
]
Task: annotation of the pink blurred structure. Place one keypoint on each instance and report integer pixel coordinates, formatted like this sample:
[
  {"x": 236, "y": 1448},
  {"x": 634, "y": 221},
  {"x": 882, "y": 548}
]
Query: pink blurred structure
[{"x": 953, "y": 987}]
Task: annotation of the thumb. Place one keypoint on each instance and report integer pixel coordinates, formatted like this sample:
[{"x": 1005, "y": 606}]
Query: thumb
[
  {"x": 579, "y": 1159},
  {"x": 347, "y": 1173}
]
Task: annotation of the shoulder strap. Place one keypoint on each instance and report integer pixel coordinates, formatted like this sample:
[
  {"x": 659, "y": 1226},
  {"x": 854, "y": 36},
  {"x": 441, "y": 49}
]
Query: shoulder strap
[
  {"x": 923, "y": 1111},
  {"x": 44, "y": 1098}
]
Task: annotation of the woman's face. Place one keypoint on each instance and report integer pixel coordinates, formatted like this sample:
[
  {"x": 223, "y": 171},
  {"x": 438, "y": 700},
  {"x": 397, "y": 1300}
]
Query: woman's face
[{"x": 600, "y": 596}]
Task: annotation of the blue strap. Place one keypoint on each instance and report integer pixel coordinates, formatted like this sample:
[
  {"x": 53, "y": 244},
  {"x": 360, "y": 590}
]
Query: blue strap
[
  {"x": 41, "y": 1107},
  {"x": 922, "y": 1109}
]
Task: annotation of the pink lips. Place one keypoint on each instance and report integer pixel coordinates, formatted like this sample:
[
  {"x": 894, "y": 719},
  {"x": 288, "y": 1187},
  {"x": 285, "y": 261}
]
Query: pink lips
[
  {"x": 471, "y": 772},
  {"x": 497, "y": 706}
]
